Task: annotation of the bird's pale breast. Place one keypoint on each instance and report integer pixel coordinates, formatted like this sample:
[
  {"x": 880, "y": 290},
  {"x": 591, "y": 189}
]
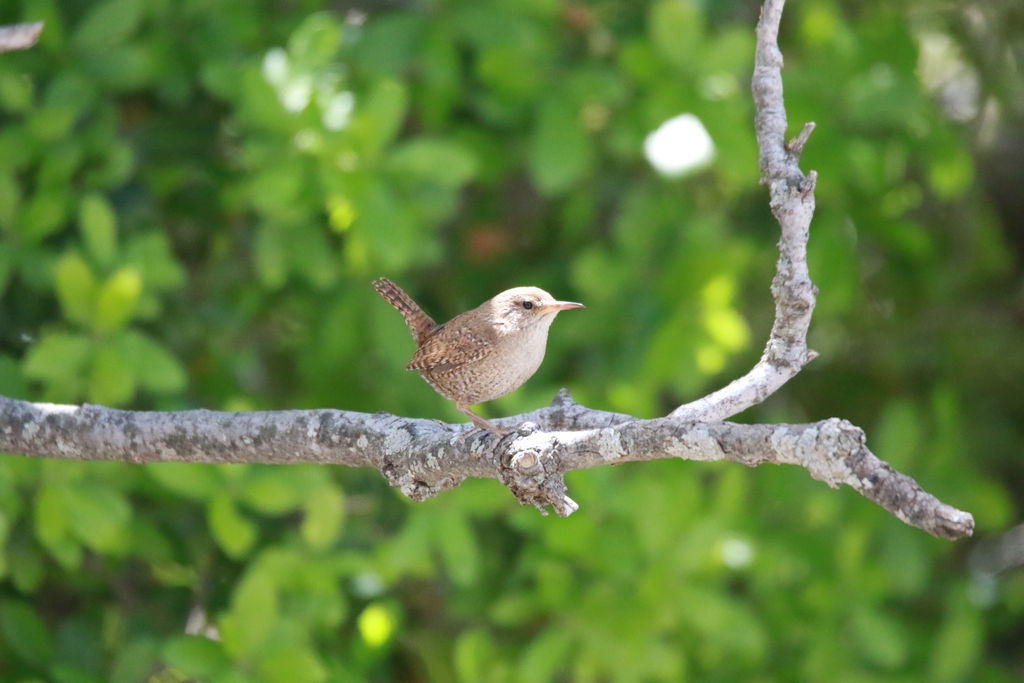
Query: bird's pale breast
[{"x": 511, "y": 361}]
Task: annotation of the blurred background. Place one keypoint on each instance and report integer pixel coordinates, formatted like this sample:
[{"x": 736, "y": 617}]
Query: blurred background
[{"x": 195, "y": 196}]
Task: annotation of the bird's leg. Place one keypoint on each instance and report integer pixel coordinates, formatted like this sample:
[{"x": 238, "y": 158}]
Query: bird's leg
[{"x": 481, "y": 423}]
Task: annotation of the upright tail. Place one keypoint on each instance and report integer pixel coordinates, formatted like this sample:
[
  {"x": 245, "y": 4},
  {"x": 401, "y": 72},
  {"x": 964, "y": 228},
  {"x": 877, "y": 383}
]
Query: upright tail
[{"x": 420, "y": 324}]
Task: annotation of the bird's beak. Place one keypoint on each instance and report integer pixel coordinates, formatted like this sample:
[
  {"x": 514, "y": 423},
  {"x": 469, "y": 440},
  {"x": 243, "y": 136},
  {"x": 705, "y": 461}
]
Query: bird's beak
[{"x": 560, "y": 306}]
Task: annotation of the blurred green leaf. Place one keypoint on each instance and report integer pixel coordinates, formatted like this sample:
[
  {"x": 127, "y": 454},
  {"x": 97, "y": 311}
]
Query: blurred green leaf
[
  {"x": 284, "y": 663},
  {"x": 441, "y": 161},
  {"x": 98, "y": 516},
  {"x": 12, "y": 384},
  {"x": 956, "y": 650},
  {"x": 51, "y": 124},
  {"x": 154, "y": 366},
  {"x": 316, "y": 594},
  {"x": 25, "y": 567},
  {"x": 561, "y": 152},
  {"x": 378, "y": 119},
  {"x": 377, "y": 624},
  {"x": 899, "y": 433},
  {"x": 989, "y": 501},
  {"x": 273, "y": 491},
  {"x": 108, "y": 23},
  {"x": 390, "y": 232},
  {"x": 387, "y": 45},
  {"x": 15, "y": 91},
  {"x": 726, "y": 622},
  {"x": 150, "y": 254},
  {"x": 731, "y": 50},
  {"x": 881, "y": 639},
  {"x": 10, "y": 198},
  {"x": 76, "y": 288},
  {"x": 112, "y": 378},
  {"x": 408, "y": 552},
  {"x": 676, "y": 28},
  {"x": 952, "y": 174},
  {"x": 315, "y": 42},
  {"x": 25, "y": 633},
  {"x": 271, "y": 256},
  {"x": 234, "y": 532},
  {"x": 458, "y": 546},
  {"x": 310, "y": 254},
  {"x": 546, "y": 655},
  {"x": 53, "y": 525},
  {"x": 724, "y": 323},
  {"x": 59, "y": 168},
  {"x": 116, "y": 168},
  {"x": 99, "y": 228},
  {"x": 197, "y": 656},
  {"x": 71, "y": 90},
  {"x": 124, "y": 67},
  {"x": 135, "y": 661},
  {"x": 324, "y": 517},
  {"x": 193, "y": 481},
  {"x": 117, "y": 299},
  {"x": 57, "y": 357},
  {"x": 16, "y": 148},
  {"x": 254, "y": 611},
  {"x": 511, "y": 71},
  {"x": 475, "y": 655}
]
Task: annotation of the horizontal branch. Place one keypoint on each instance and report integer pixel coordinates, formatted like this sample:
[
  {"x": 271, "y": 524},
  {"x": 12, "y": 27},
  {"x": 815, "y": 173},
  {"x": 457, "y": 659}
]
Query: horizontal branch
[{"x": 425, "y": 457}]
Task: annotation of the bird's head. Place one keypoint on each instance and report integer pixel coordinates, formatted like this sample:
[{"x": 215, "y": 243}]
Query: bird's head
[{"x": 525, "y": 307}]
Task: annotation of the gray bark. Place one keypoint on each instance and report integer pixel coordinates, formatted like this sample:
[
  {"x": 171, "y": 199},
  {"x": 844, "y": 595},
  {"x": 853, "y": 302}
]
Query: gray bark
[{"x": 424, "y": 457}]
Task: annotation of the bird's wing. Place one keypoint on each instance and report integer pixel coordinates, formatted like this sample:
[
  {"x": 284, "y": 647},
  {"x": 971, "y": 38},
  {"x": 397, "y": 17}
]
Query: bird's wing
[{"x": 450, "y": 347}]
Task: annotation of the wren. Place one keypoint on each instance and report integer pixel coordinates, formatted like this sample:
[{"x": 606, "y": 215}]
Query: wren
[{"x": 482, "y": 354}]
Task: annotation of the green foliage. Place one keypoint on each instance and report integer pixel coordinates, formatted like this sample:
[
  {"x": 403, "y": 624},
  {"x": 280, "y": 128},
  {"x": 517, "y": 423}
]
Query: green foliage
[{"x": 195, "y": 196}]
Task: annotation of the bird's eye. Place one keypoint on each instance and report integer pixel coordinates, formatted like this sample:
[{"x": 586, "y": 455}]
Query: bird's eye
[{"x": 527, "y": 305}]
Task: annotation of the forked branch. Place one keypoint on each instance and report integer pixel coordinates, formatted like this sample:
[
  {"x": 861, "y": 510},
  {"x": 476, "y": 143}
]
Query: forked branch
[{"x": 424, "y": 458}]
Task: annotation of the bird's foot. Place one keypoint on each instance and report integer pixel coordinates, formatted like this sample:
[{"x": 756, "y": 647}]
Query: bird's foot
[
  {"x": 474, "y": 432},
  {"x": 499, "y": 433}
]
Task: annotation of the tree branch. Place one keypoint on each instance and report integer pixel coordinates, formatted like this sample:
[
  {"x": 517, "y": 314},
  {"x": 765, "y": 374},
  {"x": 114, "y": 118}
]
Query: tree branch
[
  {"x": 792, "y": 202},
  {"x": 19, "y": 36},
  {"x": 424, "y": 457}
]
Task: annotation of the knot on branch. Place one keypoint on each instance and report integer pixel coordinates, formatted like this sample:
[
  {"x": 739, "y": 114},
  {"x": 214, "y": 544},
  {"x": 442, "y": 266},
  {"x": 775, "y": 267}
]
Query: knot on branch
[
  {"x": 833, "y": 448},
  {"x": 531, "y": 471},
  {"x": 414, "y": 488},
  {"x": 808, "y": 184}
]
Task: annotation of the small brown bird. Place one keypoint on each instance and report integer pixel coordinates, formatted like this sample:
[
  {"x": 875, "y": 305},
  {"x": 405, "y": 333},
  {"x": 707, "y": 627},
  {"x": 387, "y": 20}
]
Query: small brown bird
[{"x": 481, "y": 354}]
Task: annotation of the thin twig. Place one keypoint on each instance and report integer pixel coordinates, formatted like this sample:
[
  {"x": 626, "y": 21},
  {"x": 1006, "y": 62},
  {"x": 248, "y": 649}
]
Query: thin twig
[{"x": 795, "y": 147}]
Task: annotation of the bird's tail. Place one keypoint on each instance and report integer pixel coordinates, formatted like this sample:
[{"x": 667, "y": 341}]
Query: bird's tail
[{"x": 420, "y": 324}]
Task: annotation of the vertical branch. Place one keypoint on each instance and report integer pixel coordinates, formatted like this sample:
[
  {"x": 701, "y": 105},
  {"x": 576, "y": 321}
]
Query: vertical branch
[{"x": 792, "y": 202}]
